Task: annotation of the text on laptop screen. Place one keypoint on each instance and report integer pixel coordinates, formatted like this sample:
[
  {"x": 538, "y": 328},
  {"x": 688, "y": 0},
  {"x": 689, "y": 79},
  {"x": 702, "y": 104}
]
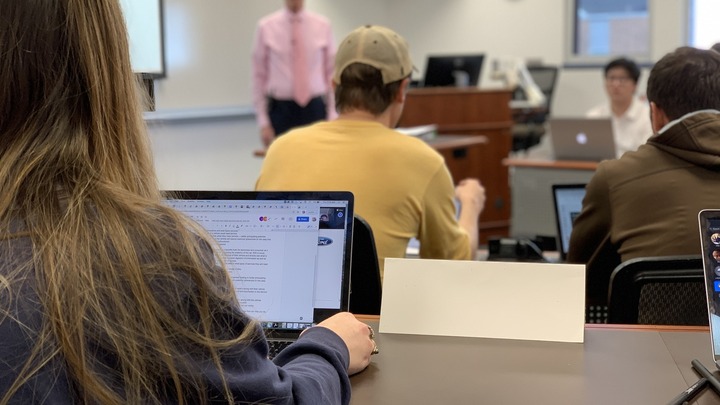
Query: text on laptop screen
[{"x": 285, "y": 257}]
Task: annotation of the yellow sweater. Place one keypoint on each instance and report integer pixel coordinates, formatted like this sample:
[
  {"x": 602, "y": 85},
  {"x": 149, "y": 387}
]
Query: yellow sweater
[{"x": 401, "y": 185}]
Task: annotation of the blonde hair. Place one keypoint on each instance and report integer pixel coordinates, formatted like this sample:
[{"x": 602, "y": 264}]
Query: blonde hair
[{"x": 118, "y": 275}]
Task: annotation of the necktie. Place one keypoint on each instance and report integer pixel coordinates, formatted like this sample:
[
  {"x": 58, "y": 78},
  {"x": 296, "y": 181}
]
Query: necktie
[{"x": 301, "y": 79}]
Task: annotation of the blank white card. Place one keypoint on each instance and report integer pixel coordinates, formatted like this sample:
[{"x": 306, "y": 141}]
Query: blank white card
[{"x": 527, "y": 301}]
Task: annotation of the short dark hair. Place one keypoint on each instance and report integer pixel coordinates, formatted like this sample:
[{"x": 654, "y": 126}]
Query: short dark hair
[
  {"x": 361, "y": 87},
  {"x": 685, "y": 80},
  {"x": 630, "y": 67}
]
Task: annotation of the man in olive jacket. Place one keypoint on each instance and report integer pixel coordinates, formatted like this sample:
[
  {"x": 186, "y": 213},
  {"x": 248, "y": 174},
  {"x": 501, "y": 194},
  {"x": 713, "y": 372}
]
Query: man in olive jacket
[{"x": 646, "y": 203}]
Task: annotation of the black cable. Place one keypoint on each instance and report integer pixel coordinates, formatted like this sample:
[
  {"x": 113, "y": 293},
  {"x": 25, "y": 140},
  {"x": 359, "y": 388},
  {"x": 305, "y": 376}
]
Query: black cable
[
  {"x": 690, "y": 393},
  {"x": 532, "y": 245},
  {"x": 714, "y": 383}
]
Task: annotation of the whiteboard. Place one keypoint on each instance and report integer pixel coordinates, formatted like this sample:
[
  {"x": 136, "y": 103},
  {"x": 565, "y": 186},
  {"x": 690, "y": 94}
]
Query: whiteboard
[{"x": 208, "y": 46}]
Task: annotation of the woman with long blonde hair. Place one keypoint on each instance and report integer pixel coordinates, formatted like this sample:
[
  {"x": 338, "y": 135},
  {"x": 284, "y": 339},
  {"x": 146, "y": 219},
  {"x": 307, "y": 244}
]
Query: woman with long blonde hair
[{"x": 106, "y": 295}]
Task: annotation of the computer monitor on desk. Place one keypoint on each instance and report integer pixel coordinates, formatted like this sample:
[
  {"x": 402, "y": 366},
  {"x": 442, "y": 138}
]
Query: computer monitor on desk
[{"x": 453, "y": 70}]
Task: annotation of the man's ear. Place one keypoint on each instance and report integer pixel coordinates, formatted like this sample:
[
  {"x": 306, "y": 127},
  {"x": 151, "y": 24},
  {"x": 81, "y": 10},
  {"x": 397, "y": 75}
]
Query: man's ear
[
  {"x": 658, "y": 118},
  {"x": 402, "y": 91}
]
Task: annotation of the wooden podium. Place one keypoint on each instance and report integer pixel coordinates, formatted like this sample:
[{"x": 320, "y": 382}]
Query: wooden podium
[{"x": 470, "y": 111}]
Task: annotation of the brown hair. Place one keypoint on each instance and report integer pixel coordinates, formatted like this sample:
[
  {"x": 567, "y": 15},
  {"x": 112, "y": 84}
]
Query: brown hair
[
  {"x": 361, "y": 88},
  {"x": 115, "y": 271},
  {"x": 685, "y": 80}
]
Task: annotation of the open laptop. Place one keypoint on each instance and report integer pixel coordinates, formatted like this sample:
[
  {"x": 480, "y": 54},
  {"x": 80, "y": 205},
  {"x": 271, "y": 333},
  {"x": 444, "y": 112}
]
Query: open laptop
[
  {"x": 567, "y": 199},
  {"x": 288, "y": 253},
  {"x": 710, "y": 241},
  {"x": 582, "y": 138}
]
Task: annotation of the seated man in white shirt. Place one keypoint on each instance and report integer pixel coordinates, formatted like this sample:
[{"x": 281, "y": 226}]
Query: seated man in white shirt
[{"x": 630, "y": 115}]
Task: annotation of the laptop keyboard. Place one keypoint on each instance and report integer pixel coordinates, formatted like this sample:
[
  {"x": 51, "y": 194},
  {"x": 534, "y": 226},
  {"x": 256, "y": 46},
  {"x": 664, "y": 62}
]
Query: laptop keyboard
[{"x": 276, "y": 346}]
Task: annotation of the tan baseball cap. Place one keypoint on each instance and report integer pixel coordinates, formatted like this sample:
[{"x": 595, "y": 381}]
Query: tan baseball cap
[{"x": 379, "y": 47}]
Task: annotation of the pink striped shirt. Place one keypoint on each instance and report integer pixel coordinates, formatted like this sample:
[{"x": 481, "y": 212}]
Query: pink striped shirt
[{"x": 272, "y": 59}]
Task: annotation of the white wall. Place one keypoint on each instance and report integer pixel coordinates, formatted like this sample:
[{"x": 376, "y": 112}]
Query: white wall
[
  {"x": 208, "y": 46},
  {"x": 209, "y": 68},
  {"x": 214, "y": 154},
  {"x": 529, "y": 29},
  {"x": 346, "y": 15},
  {"x": 208, "y": 71}
]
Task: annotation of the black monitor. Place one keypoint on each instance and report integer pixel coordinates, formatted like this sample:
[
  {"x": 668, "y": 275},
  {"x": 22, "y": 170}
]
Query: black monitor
[{"x": 453, "y": 70}]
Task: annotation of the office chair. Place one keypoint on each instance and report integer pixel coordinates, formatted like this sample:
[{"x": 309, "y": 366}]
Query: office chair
[
  {"x": 530, "y": 127},
  {"x": 365, "y": 286},
  {"x": 668, "y": 290},
  {"x": 545, "y": 77}
]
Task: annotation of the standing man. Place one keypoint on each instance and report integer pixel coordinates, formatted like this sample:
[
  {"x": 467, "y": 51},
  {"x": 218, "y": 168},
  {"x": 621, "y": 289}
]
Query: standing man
[
  {"x": 646, "y": 203},
  {"x": 630, "y": 115},
  {"x": 292, "y": 64},
  {"x": 402, "y": 186}
]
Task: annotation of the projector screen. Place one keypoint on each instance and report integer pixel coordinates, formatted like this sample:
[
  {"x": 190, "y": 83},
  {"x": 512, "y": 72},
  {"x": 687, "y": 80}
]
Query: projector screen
[{"x": 144, "y": 20}]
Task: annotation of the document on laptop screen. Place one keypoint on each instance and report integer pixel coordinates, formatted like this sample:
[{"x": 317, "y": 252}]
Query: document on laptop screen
[{"x": 271, "y": 256}]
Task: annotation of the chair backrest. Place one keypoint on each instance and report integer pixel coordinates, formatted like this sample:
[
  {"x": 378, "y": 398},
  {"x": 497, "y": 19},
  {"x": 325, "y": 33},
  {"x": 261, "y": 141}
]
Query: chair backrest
[
  {"x": 529, "y": 127},
  {"x": 545, "y": 77},
  {"x": 667, "y": 290},
  {"x": 365, "y": 285}
]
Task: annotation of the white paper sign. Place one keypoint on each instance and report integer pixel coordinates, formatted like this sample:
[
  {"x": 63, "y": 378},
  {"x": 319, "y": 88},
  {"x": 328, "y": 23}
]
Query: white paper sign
[{"x": 527, "y": 301}]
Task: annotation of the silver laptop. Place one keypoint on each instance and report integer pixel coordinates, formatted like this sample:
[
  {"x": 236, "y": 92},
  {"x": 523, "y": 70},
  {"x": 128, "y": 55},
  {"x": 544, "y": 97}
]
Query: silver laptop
[
  {"x": 582, "y": 138},
  {"x": 567, "y": 199},
  {"x": 288, "y": 253}
]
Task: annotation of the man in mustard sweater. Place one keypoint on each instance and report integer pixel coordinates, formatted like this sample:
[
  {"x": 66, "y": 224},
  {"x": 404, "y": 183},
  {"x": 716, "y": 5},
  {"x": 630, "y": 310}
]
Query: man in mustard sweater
[{"x": 402, "y": 186}]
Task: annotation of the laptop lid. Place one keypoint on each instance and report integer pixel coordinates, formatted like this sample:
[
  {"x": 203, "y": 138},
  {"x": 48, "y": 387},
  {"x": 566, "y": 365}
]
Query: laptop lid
[
  {"x": 582, "y": 138},
  {"x": 710, "y": 241},
  {"x": 288, "y": 253},
  {"x": 567, "y": 200}
]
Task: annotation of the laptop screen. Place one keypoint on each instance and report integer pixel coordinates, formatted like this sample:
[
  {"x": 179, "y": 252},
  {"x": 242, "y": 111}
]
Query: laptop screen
[
  {"x": 288, "y": 253},
  {"x": 710, "y": 242},
  {"x": 568, "y": 204}
]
